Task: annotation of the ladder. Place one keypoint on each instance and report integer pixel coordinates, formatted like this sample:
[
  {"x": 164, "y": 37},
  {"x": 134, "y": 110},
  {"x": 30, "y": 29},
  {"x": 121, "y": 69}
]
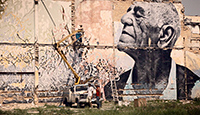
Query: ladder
[{"x": 114, "y": 90}]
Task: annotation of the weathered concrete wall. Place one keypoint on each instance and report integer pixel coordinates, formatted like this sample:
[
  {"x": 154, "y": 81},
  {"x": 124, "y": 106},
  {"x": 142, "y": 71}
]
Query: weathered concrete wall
[
  {"x": 101, "y": 21},
  {"x": 96, "y": 18},
  {"x": 17, "y": 46}
]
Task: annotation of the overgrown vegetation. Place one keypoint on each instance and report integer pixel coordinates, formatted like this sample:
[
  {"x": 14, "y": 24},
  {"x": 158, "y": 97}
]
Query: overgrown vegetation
[
  {"x": 156, "y": 107},
  {"x": 46, "y": 110},
  {"x": 197, "y": 101}
]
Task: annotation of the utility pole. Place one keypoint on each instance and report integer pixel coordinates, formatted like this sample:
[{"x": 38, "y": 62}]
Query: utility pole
[
  {"x": 36, "y": 48},
  {"x": 185, "y": 71},
  {"x": 73, "y": 10}
]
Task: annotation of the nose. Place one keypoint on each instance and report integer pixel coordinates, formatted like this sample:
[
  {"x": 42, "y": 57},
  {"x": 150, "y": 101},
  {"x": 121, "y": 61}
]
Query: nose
[{"x": 127, "y": 19}]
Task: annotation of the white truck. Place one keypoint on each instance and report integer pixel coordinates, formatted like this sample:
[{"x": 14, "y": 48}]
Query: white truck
[{"x": 77, "y": 94}]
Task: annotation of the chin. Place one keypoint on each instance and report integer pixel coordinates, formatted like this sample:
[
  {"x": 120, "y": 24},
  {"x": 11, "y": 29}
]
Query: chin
[{"x": 120, "y": 47}]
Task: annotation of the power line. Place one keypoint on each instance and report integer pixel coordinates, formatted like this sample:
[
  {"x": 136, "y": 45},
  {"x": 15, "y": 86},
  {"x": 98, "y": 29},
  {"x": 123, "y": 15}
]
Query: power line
[
  {"x": 50, "y": 18},
  {"x": 48, "y": 13}
]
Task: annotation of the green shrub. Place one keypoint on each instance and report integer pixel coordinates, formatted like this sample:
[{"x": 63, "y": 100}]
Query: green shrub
[{"x": 197, "y": 101}]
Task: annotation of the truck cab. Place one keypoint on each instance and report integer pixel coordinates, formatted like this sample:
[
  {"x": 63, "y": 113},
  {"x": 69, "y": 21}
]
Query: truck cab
[{"x": 77, "y": 94}]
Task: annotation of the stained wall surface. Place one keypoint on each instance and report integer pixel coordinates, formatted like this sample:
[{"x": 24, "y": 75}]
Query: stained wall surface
[{"x": 24, "y": 24}]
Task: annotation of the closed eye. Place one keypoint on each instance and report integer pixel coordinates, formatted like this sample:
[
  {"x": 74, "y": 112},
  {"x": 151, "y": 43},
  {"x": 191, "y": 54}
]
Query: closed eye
[
  {"x": 139, "y": 12},
  {"x": 129, "y": 9}
]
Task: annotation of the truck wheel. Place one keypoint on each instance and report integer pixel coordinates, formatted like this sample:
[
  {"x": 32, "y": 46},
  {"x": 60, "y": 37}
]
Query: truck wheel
[
  {"x": 66, "y": 103},
  {"x": 78, "y": 103},
  {"x": 70, "y": 104},
  {"x": 87, "y": 105}
]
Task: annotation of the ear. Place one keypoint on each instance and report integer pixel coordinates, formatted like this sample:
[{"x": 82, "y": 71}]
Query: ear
[{"x": 167, "y": 37}]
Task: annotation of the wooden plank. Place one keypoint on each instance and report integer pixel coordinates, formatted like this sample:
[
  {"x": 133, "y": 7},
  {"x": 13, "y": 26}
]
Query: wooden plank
[
  {"x": 39, "y": 91},
  {"x": 123, "y": 95},
  {"x": 137, "y": 90},
  {"x": 15, "y": 92},
  {"x": 49, "y": 97},
  {"x": 15, "y": 73}
]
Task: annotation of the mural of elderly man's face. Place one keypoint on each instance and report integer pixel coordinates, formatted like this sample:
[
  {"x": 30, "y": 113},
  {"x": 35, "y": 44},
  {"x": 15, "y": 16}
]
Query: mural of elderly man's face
[
  {"x": 148, "y": 36},
  {"x": 145, "y": 22}
]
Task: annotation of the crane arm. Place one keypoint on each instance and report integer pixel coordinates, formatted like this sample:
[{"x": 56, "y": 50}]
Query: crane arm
[{"x": 58, "y": 49}]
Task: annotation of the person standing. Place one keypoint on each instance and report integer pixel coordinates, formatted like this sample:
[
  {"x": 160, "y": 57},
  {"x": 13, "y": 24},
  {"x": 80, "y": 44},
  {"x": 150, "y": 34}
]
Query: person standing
[
  {"x": 90, "y": 94},
  {"x": 98, "y": 96}
]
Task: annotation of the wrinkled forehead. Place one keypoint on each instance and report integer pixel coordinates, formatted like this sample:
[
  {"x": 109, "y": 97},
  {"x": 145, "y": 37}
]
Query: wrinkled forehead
[
  {"x": 155, "y": 13},
  {"x": 143, "y": 5},
  {"x": 150, "y": 7}
]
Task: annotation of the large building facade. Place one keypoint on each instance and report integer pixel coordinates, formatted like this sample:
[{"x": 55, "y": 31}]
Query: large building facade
[{"x": 31, "y": 68}]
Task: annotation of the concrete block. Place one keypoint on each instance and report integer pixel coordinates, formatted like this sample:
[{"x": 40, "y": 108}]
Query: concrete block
[{"x": 140, "y": 102}]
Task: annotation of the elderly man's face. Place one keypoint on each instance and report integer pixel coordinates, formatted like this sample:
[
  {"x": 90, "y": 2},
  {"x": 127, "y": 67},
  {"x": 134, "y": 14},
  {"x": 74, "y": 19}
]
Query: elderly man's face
[
  {"x": 144, "y": 22},
  {"x": 135, "y": 31}
]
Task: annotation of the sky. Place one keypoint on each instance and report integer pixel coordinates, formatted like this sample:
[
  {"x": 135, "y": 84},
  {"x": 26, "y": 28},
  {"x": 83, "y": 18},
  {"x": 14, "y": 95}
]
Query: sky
[{"x": 192, "y": 7}]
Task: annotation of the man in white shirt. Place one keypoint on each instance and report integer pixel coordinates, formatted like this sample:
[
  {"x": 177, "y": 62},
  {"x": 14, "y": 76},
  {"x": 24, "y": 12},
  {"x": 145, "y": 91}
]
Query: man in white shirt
[{"x": 90, "y": 94}]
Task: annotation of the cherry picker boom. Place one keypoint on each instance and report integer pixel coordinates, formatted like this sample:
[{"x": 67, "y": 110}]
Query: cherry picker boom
[{"x": 58, "y": 49}]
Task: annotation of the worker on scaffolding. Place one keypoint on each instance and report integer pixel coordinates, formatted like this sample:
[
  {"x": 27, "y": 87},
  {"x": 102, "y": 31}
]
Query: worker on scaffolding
[{"x": 79, "y": 36}]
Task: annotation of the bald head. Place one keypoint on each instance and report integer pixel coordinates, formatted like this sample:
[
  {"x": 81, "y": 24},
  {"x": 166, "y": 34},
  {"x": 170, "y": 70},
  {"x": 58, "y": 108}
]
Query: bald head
[{"x": 158, "y": 22}]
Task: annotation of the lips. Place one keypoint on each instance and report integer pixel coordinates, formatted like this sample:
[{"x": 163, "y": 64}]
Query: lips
[
  {"x": 126, "y": 38},
  {"x": 122, "y": 46},
  {"x": 126, "y": 33}
]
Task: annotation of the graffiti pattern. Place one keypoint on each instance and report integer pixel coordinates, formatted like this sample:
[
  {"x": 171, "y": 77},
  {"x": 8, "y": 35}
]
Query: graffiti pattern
[
  {"x": 14, "y": 26},
  {"x": 55, "y": 73}
]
